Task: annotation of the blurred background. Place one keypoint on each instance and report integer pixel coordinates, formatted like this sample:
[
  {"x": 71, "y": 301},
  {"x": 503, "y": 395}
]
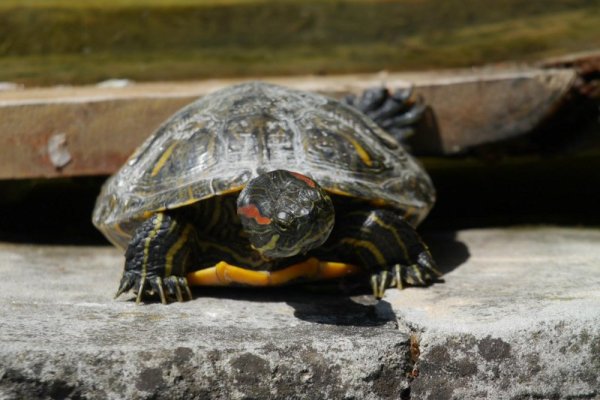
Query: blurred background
[
  {"x": 49, "y": 42},
  {"x": 545, "y": 175}
]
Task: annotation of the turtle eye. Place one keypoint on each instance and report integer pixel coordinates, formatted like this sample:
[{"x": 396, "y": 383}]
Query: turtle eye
[{"x": 283, "y": 219}]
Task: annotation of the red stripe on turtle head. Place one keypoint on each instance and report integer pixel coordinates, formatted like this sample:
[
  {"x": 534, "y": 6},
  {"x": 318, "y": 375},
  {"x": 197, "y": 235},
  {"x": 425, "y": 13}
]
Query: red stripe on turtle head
[
  {"x": 251, "y": 211},
  {"x": 305, "y": 179}
]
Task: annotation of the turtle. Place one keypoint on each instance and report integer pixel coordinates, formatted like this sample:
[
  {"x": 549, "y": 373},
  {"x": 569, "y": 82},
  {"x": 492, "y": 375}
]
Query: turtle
[{"x": 258, "y": 184}]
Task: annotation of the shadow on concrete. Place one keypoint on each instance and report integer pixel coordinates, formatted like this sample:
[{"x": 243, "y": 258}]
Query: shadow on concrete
[
  {"x": 326, "y": 303},
  {"x": 344, "y": 311},
  {"x": 447, "y": 251}
]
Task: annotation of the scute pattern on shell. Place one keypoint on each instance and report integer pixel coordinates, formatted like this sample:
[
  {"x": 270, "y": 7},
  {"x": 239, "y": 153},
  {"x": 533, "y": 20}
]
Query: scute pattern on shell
[{"x": 219, "y": 142}]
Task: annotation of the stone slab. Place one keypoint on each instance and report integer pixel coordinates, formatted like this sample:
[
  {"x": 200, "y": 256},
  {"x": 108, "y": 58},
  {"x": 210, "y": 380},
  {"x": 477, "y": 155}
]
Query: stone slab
[
  {"x": 517, "y": 317},
  {"x": 62, "y": 336}
]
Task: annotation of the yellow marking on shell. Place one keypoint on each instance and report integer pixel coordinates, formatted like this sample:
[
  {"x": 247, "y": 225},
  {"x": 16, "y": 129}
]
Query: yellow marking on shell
[
  {"x": 120, "y": 231},
  {"x": 163, "y": 159},
  {"x": 379, "y": 202},
  {"x": 394, "y": 232},
  {"x": 148, "y": 240},
  {"x": 224, "y": 274},
  {"x": 190, "y": 193},
  {"x": 148, "y": 214},
  {"x": 362, "y": 153},
  {"x": 186, "y": 203},
  {"x": 369, "y": 246},
  {"x": 234, "y": 189},
  {"x": 175, "y": 248},
  {"x": 340, "y": 192}
]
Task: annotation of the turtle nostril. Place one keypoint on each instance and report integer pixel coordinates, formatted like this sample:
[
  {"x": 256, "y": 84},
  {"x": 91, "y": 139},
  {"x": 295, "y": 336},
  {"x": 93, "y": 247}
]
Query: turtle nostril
[{"x": 312, "y": 195}]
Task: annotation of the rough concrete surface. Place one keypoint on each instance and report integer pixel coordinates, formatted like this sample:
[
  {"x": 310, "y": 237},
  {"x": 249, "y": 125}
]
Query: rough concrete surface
[{"x": 518, "y": 317}]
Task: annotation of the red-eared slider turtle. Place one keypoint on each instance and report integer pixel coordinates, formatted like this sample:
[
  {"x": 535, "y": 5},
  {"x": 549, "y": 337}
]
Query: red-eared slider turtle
[{"x": 257, "y": 184}]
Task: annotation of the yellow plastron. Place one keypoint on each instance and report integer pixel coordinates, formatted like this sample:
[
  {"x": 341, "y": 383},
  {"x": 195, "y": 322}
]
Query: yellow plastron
[{"x": 224, "y": 274}]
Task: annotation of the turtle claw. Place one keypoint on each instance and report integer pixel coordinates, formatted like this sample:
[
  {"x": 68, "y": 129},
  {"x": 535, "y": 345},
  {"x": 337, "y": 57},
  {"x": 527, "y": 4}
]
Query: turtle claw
[
  {"x": 176, "y": 285},
  {"x": 158, "y": 287},
  {"x": 140, "y": 290},
  {"x": 379, "y": 282},
  {"x": 187, "y": 288},
  {"x": 414, "y": 276},
  {"x": 173, "y": 288},
  {"x": 403, "y": 95},
  {"x": 394, "y": 112},
  {"x": 126, "y": 283},
  {"x": 397, "y": 280},
  {"x": 422, "y": 273},
  {"x": 426, "y": 262},
  {"x": 166, "y": 288},
  {"x": 410, "y": 117},
  {"x": 369, "y": 100}
]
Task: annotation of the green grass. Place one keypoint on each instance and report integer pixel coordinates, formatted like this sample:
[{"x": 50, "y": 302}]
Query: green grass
[
  {"x": 73, "y": 4},
  {"x": 61, "y": 41}
]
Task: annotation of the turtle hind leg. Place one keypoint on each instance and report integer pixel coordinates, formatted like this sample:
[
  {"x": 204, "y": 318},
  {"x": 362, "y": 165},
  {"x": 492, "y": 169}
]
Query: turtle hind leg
[
  {"x": 157, "y": 258},
  {"x": 386, "y": 246},
  {"x": 396, "y": 112}
]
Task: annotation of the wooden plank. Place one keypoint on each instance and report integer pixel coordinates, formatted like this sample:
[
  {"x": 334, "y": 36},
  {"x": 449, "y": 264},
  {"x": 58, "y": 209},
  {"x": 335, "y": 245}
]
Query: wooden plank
[
  {"x": 73, "y": 131},
  {"x": 587, "y": 66},
  {"x": 485, "y": 107}
]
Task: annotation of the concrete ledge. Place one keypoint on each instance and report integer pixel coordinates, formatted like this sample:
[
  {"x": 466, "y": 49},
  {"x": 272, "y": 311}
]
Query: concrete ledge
[{"x": 518, "y": 317}]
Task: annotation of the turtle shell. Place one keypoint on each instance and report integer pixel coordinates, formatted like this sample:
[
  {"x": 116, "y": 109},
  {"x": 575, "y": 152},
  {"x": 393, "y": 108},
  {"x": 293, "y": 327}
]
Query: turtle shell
[{"x": 218, "y": 143}]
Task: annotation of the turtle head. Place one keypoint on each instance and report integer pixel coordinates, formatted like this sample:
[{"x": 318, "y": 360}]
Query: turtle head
[{"x": 285, "y": 213}]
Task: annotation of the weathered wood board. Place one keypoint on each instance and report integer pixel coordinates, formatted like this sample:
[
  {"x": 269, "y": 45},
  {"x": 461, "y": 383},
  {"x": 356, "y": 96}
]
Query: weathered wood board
[{"x": 91, "y": 130}]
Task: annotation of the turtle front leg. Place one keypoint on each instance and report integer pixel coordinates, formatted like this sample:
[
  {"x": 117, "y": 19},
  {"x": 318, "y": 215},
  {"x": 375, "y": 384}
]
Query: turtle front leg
[
  {"x": 386, "y": 246},
  {"x": 396, "y": 113},
  {"x": 158, "y": 257}
]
